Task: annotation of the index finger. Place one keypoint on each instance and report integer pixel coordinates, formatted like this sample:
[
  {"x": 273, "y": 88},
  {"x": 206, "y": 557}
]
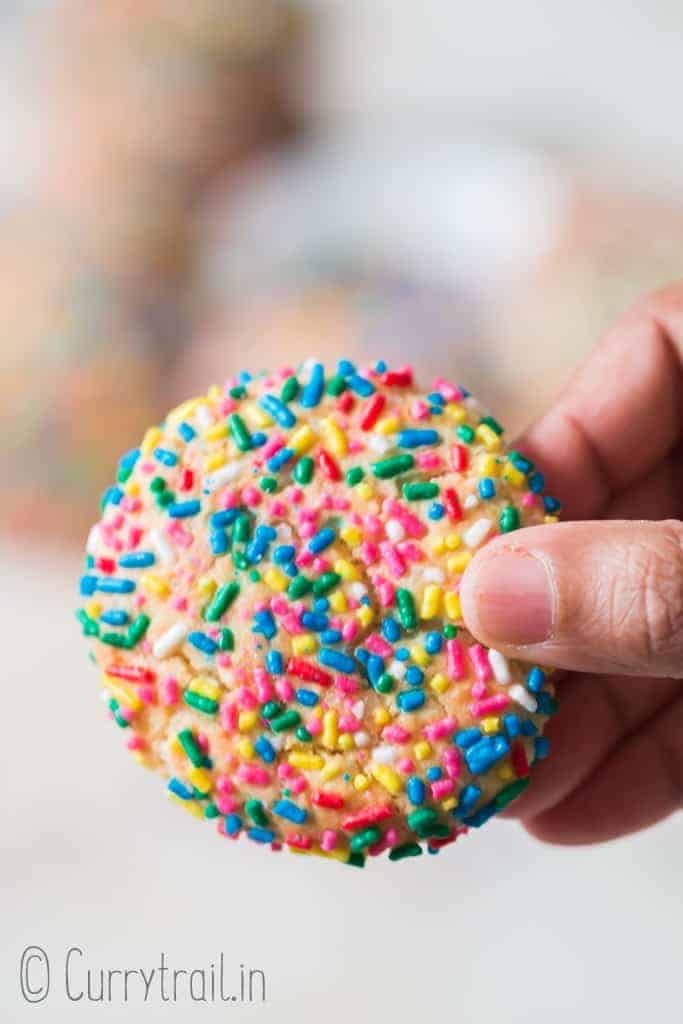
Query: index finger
[{"x": 620, "y": 414}]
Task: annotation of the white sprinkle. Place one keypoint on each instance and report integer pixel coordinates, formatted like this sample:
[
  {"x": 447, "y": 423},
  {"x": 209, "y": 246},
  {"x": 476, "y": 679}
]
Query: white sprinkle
[
  {"x": 276, "y": 740},
  {"x": 222, "y": 476},
  {"x": 94, "y": 538},
  {"x": 395, "y": 531},
  {"x": 361, "y": 738},
  {"x": 357, "y": 590},
  {"x": 523, "y": 697},
  {"x": 358, "y": 709},
  {"x": 203, "y": 416},
  {"x": 162, "y": 548},
  {"x": 500, "y": 666},
  {"x": 397, "y": 669},
  {"x": 169, "y": 642},
  {"x": 384, "y": 754},
  {"x": 471, "y": 501},
  {"x": 379, "y": 444},
  {"x": 433, "y": 575},
  {"x": 477, "y": 532}
]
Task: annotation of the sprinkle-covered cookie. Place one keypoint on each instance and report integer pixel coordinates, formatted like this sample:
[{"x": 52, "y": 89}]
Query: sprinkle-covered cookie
[{"x": 272, "y": 599}]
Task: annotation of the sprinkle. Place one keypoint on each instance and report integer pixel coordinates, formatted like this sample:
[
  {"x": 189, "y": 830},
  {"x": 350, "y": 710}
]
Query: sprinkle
[
  {"x": 169, "y": 642},
  {"x": 477, "y": 533},
  {"x": 386, "y": 468},
  {"x": 313, "y": 390},
  {"x": 417, "y": 438},
  {"x": 183, "y": 509},
  {"x": 222, "y": 600}
]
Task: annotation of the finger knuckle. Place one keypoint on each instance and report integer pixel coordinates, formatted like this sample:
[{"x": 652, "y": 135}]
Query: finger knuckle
[{"x": 661, "y": 602}]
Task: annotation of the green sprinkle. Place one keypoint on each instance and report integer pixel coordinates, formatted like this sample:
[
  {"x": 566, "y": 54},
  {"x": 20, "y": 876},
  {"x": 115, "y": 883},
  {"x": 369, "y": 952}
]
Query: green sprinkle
[
  {"x": 510, "y": 793},
  {"x": 90, "y": 627},
  {"x": 116, "y": 640},
  {"x": 368, "y": 837},
  {"x": 191, "y": 748},
  {"x": 221, "y": 601},
  {"x": 241, "y": 529},
  {"x": 138, "y": 628},
  {"x": 238, "y": 391},
  {"x": 196, "y": 700},
  {"x": 240, "y": 560},
  {"x": 303, "y": 471},
  {"x": 165, "y": 498},
  {"x": 385, "y": 683},
  {"x": 255, "y": 576},
  {"x": 450, "y": 631},
  {"x": 285, "y": 721},
  {"x": 406, "y": 608},
  {"x": 356, "y": 860},
  {"x": 509, "y": 519},
  {"x": 270, "y": 709},
  {"x": 420, "y": 491},
  {"x": 437, "y": 831},
  {"x": 336, "y": 385},
  {"x": 493, "y": 424},
  {"x": 465, "y": 433},
  {"x": 302, "y": 734},
  {"x": 123, "y": 475},
  {"x": 386, "y": 468},
  {"x": 290, "y": 389},
  {"x": 254, "y": 809},
  {"x": 157, "y": 484},
  {"x": 328, "y": 581},
  {"x": 226, "y": 641},
  {"x": 239, "y": 432},
  {"x": 354, "y": 476},
  {"x": 120, "y": 720},
  {"x": 299, "y": 586},
  {"x": 423, "y": 817},
  {"x": 405, "y": 850},
  {"x": 210, "y": 811},
  {"x": 268, "y": 484}
]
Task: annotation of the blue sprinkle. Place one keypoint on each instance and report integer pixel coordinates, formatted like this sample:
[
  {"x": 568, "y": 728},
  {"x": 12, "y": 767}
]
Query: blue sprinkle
[
  {"x": 114, "y": 617},
  {"x": 551, "y": 504},
  {"x": 546, "y": 702},
  {"x": 528, "y": 728},
  {"x": 275, "y": 663},
  {"x": 486, "y": 488},
  {"x": 535, "y": 680},
  {"x": 284, "y": 553},
  {"x": 391, "y": 631},
  {"x": 330, "y": 636},
  {"x": 311, "y": 620},
  {"x": 467, "y": 737},
  {"x": 415, "y": 788},
  {"x": 307, "y": 697},
  {"x": 224, "y": 518},
  {"x": 166, "y": 456},
  {"x": 313, "y": 391},
  {"x": 417, "y": 438},
  {"x": 282, "y": 415},
  {"x": 265, "y": 749},
  {"x": 468, "y": 798},
  {"x": 88, "y": 585},
  {"x": 410, "y": 700},
  {"x": 203, "y": 643},
  {"x": 289, "y": 810},
  {"x": 402, "y": 653},
  {"x": 362, "y": 655},
  {"x": 374, "y": 668},
  {"x": 281, "y": 457},
  {"x": 520, "y": 463},
  {"x": 261, "y": 835},
  {"x": 380, "y": 366},
  {"x": 481, "y": 816},
  {"x": 128, "y": 460},
  {"x": 436, "y": 510},
  {"x": 414, "y": 676},
  {"x": 178, "y": 788},
  {"x": 110, "y": 585},
  {"x": 536, "y": 482},
  {"x": 541, "y": 748},
  {"x": 219, "y": 542},
  {"x": 264, "y": 623},
  {"x": 187, "y": 432},
  {"x": 290, "y": 569},
  {"x": 339, "y": 662},
  {"x": 233, "y": 823},
  {"x": 483, "y": 754},
  {"x": 345, "y": 368},
  {"x": 321, "y": 606},
  {"x": 258, "y": 438},
  {"x": 321, "y": 540},
  {"x": 434, "y": 773},
  {"x": 244, "y": 376},
  {"x": 112, "y": 496},
  {"x": 436, "y": 398},
  {"x": 361, "y": 385},
  {"x": 511, "y": 724},
  {"x": 183, "y": 509},
  {"x": 137, "y": 560},
  {"x": 433, "y": 642}
]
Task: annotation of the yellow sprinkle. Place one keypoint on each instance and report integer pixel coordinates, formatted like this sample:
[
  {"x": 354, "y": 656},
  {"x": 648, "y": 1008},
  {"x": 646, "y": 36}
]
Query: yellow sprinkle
[
  {"x": 339, "y": 853},
  {"x": 505, "y": 773},
  {"x": 458, "y": 563},
  {"x": 422, "y": 750},
  {"x": 455, "y": 412},
  {"x": 245, "y": 749},
  {"x": 452, "y": 603},
  {"x": 453, "y": 541},
  {"x": 346, "y": 741},
  {"x": 142, "y": 758},
  {"x": 206, "y": 587},
  {"x": 431, "y": 601},
  {"x": 176, "y": 747},
  {"x": 304, "y": 643},
  {"x": 213, "y": 394},
  {"x": 381, "y": 716},
  {"x": 449, "y": 804},
  {"x": 329, "y": 736},
  {"x": 439, "y": 683},
  {"x": 255, "y": 416},
  {"x": 490, "y": 725},
  {"x": 361, "y": 782},
  {"x": 438, "y": 545},
  {"x": 216, "y": 432},
  {"x": 123, "y": 694},
  {"x": 155, "y": 585},
  {"x": 488, "y": 465},
  {"x": 513, "y": 475},
  {"x": 338, "y": 602},
  {"x": 93, "y": 609},
  {"x": 387, "y": 425},
  {"x": 351, "y": 535},
  {"x": 200, "y": 779},
  {"x": 387, "y": 777},
  {"x": 365, "y": 615},
  {"x": 276, "y": 579},
  {"x": 301, "y": 440},
  {"x": 347, "y": 570},
  {"x": 247, "y": 720},
  {"x": 335, "y": 438},
  {"x": 364, "y": 491},
  {"x": 132, "y": 489},
  {"x": 334, "y": 766},
  {"x": 306, "y": 762},
  {"x": 205, "y": 687},
  {"x": 150, "y": 440},
  {"x": 550, "y": 519},
  {"x": 419, "y": 655},
  {"x": 191, "y": 806},
  {"x": 183, "y": 410},
  {"x": 214, "y": 462},
  {"x": 488, "y": 437}
]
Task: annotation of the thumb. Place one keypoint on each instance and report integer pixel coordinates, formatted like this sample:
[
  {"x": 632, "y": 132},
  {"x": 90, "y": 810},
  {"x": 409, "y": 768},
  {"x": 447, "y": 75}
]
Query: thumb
[{"x": 602, "y": 597}]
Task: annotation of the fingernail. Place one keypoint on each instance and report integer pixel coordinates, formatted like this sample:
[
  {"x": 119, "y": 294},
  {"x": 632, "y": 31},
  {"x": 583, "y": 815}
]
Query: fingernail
[{"x": 514, "y": 599}]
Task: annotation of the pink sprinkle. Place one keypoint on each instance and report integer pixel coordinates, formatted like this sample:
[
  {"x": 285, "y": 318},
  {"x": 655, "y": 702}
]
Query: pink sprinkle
[
  {"x": 147, "y": 694},
  {"x": 439, "y": 729},
  {"x": 247, "y": 700},
  {"x": 279, "y": 605},
  {"x": 229, "y": 498},
  {"x": 295, "y": 495},
  {"x": 392, "y": 558},
  {"x": 419, "y": 410},
  {"x": 228, "y": 716},
  {"x": 130, "y": 504},
  {"x": 349, "y": 723},
  {"x": 273, "y": 445},
  {"x": 346, "y": 685},
  {"x": 170, "y": 691},
  {"x": 395, "y": 734},
  {"x": 406, "y": 765},
  {"x": 480, "y": 662},
  {"x": 251, "y": 496},
  {"x": 529, "y": 499},
  {"x": 455, "y": 660},
  {"x": 321, "y": 565},
  {"x": 314, "y": 725},
  {"x": 490, "y": 705},
  {"x": 378, "y": 645},
  {"x": 134, "y": 536},
  {"x": 227, "y": 804},
  {"x": 428, "y": 460},
  {"x": 278, "y": 509},
  {"x": 386, "y": 592},
  {"x": 224, "y": 784},
  {"x": 299, "y": 785},
  {"x": 285, "y": 771},
  {"x": 136, "y": 743},
  {"x": 442, "y": 788},
  {"x": 373, "y": 527},
  {"x": 478, "y": 690},
  {"x": 253, "y": 774},
  {"x": 223, "y": 660},
  {"x": 452, "y": 764},
  {"x": 368, "y": 552},
  {"x": 449, "y": 391},
  {"x": 307, "y": 529},
  {"x": 284, "y": 689},
  {"x": 328, "y": 840},
  {"x": 350, "y": 630},
  {"x": 179, "y": 603},
  {"x": 179, "y": 534},
  {"x": 411, "y": 551}
]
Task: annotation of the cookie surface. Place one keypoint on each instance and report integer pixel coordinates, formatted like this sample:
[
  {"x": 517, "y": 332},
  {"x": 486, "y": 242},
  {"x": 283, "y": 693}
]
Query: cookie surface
[{"x": 272, "y": 599}]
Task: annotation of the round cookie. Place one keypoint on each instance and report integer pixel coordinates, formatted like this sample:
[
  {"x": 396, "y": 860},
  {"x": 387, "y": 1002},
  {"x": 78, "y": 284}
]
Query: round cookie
[{"x": 272, "y": 599}]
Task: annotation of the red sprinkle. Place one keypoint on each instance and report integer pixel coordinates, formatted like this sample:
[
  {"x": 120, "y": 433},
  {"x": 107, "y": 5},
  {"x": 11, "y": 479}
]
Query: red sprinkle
[
  {"x": 107, "y": 565},
  {"x": 311, "y": 673},
  {"x": 372, "y": 411},
  {"x": 298, "y": 841},
  {"x": 328, "y": 466},
  {"x": 187, "y": 480},
  {"x": 345, "y": 402},
  {"x": 519, "y": 759},
  {"x": 452, "y": 503},
  {"x": 402, "y": 378},
  {"x": 460, "y": 459},
  {"x": 132, "y": 673},
  {"x": 323, "y": 798},
  {"x": 370, "y": 816}
]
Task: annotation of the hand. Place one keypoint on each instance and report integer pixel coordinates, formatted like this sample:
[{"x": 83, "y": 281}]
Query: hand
[{"x": 604, "y": 599}]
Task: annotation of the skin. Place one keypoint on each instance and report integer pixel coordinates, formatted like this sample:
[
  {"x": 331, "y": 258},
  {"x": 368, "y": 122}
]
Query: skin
[{"x": 611, "y": 448}]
